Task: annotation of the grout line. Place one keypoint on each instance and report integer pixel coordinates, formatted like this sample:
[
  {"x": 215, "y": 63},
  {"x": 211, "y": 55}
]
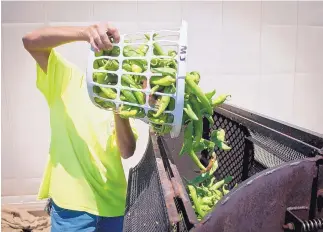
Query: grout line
[
  {"x": 46, "y": 13},
  {"x": 259, "y": 84},
  {"x": 92, "y": 12},
  {"x": 260, "y": 40},
  {"x": 295, "y": 62}
]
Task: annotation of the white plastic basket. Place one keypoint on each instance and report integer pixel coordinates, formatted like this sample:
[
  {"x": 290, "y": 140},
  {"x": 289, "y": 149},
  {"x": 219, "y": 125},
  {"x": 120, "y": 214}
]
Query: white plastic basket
[{"x": 167, "y": 39}]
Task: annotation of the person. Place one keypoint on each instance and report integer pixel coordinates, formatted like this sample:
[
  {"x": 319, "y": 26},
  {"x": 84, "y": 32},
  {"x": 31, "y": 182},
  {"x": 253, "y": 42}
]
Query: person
[{"x": 84, "y": 176}]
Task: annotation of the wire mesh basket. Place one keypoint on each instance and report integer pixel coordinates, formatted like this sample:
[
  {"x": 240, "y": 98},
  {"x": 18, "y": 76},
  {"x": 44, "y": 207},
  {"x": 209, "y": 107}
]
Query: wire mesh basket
[{"x": 111, "y": 88}]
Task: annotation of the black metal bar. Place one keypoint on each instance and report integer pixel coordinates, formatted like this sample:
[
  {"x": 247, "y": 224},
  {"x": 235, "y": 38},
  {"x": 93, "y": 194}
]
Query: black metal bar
[
  {"x": 247, "y": 155},
  {"x": 310, "y": 137},
  {"x": 298, "y": 145}
]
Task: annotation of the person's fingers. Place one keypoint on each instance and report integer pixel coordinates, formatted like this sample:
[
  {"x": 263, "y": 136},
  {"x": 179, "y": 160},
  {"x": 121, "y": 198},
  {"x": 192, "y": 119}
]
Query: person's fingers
[
  {"x": 104, "y": 38},
  {"x": 97, "y": 39},
  {"x": 114, "y": 33},
  {"x": 93, "y": 45}
]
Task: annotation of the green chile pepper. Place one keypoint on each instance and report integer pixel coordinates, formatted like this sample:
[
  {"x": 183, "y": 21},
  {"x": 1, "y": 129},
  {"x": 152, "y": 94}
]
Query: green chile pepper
[
  {"x": 171, "y": 105},
  {"x": 140, "y": 96},
  {"x": 192, "y": 193},
  {"x": 143, "y": 49},
  {"x": 224, "y": 189},
  {"x": 162, "y": 81},
  {"x": 109, "y": 93},
  {"x": 115, "y": 51},
  {"x": 196, "y": 160},
  {"x": 154, "y": 62},
  {"x": 99, "y": 53},
  {"x": 129, "y": 113},
  {"x": 107, "y": 105},
  {"x": 189, "y": 111},
  {"x": 122, "y": 98},
  {"x": 210, "y": 119},
  {"x": 203, "y": 144},
  {"x": 165, "y": 71},
  {"x": 195, "y": 76},
  {"x": 172, "y": 53},
  {"x": 221, "y": 99},
  {"x": 127, "y": 67},
  {"x": 164, "y": 101},
  {"x": 185, "y": 118},
  {"x": 157, "y": 48},
  {"x": 128, "y": 81},
  {"x": 221, "y": 145},
  {"x": 220, "y": 183},
  {"x": 129, "y": 51},
  {"x": 198, "y": 92},
  {"x": 188, "y": 139},
  {"x": 129, "y": 96},
  {"x": 218, "y": 135},
  {"x": 154, "y": 89},
  {"x": 198, "y": 124},
  {"x": 210, "y": 95},
  {"x": 136, "y": 68}
]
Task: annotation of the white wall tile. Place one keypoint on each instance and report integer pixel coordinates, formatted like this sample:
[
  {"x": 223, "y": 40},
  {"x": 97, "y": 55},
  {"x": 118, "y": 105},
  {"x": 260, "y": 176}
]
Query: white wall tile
[
  {"x": 204, "y": 50},
  {"x": 125, "y": 27},
  {"x": 278, "y": 49},
  {"x": 22, "y": 12},
  {"x": 119, "y": 11},
  {"x": 308, "y": 95},
  {"x": 8, "y": 169},
  {"x": 276, "y": 96},
  {"x": 243, "y": 88},
  {"x": 69, "y": 11},
  {"x": 10, "y": 187},
  {"x": 279, "y": 12},
  {"x": 159, "y": 11},
  {"x": 227, "y": 40},
  {"x": 310, "y": 13},
  {"x": 309, "y": 50},
  {"x": 146, "y": 26},
  {"x": 241, "y": 16},
  {"x": 240, "y": 52},
  {"x": 202, "y": 15},
  {"x": 26, "y": 105}
]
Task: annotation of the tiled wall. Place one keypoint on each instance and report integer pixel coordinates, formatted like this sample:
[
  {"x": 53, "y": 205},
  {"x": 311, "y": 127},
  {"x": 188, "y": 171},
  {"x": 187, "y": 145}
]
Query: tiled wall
[{"x": 268, "y": 55}]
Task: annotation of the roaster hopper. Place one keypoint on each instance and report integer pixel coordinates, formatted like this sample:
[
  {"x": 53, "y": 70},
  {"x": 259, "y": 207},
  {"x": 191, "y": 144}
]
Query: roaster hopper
[{"x": 277, "y": 168}]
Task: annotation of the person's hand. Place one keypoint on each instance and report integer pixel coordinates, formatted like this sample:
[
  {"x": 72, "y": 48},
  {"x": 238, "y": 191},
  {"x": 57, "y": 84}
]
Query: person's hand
[{"x": 98, "y": 35}]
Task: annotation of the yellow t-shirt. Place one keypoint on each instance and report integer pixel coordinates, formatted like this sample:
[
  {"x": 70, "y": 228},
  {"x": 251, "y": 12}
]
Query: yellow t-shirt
[{"x": 84, "y": 171}]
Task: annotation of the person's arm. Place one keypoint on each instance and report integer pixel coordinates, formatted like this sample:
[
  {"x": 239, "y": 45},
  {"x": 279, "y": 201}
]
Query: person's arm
[
  {"x": 126, "y": 144},
  {"x": 39, "y": 44}
]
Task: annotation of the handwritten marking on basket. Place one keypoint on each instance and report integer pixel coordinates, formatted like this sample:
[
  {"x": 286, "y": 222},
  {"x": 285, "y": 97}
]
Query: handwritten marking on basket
[{"x": 182, "y": 56}]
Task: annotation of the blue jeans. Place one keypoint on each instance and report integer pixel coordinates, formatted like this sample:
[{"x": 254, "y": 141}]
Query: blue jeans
[{"x": 65, "y": 220}]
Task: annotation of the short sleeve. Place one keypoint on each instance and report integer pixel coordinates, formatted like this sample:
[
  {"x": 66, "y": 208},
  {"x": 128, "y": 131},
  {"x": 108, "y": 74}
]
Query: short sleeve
[{"x": 59, "y": 72}]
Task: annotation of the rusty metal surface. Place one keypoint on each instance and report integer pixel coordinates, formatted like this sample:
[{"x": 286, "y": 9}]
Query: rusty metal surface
[
  {"x": 168, "y": 193},
  {"x": 166, "y": 185},
  {"x": 182, "y": 194},
  {"x": 184, "y": 163},
  {"x": 259, "y": 203}
]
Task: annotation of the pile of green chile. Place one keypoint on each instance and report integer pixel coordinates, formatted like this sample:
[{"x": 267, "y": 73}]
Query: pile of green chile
[
  {"x": 204, "y": 190},
  {"x": 166, "y": 83}
]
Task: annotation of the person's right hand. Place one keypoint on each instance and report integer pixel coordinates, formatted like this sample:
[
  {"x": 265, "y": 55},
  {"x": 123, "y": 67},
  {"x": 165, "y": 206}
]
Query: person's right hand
[{"x": 98, "y": 35}]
